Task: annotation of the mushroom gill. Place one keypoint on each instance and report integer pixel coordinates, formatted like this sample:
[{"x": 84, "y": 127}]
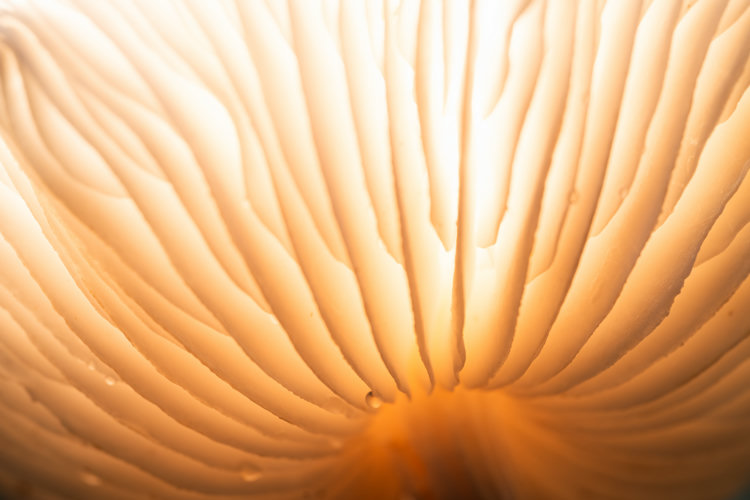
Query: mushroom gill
[{"x": 374, "y": 249}]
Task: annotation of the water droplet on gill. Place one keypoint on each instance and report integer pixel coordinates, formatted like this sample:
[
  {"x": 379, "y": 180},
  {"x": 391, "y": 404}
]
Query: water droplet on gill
[
  {"x": 373, "y": 401},
  {"x": 91, "y": 366},
  {"x": 622, "y": 193},
  {"x": 90, "y": 479},
  {"x": 250, "y": 473},
  {"x": 110, "y": 381},
  {"x": 573, "y": 197}
]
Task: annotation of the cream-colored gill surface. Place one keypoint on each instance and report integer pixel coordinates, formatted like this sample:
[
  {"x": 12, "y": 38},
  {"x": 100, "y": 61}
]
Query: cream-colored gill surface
[{"x": 235, "y": 234}]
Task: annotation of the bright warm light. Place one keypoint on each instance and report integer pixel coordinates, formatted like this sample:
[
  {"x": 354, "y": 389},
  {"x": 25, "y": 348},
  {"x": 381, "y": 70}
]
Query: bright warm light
[{"x": 374, "y": 249}]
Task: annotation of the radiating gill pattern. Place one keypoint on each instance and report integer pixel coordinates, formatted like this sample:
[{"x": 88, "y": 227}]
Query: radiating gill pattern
[{"x": 263, "y": 249}]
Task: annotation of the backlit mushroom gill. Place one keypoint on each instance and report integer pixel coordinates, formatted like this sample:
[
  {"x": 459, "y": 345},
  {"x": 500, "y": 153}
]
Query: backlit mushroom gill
[{"x": 374, "y": 249}]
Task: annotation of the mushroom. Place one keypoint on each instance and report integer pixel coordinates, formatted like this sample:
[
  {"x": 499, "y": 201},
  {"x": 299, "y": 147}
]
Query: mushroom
[{"x": 381, "y": 249}]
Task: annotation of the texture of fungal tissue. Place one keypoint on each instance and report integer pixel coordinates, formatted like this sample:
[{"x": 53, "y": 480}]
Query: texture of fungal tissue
[{"x": 374, "y": 249}]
